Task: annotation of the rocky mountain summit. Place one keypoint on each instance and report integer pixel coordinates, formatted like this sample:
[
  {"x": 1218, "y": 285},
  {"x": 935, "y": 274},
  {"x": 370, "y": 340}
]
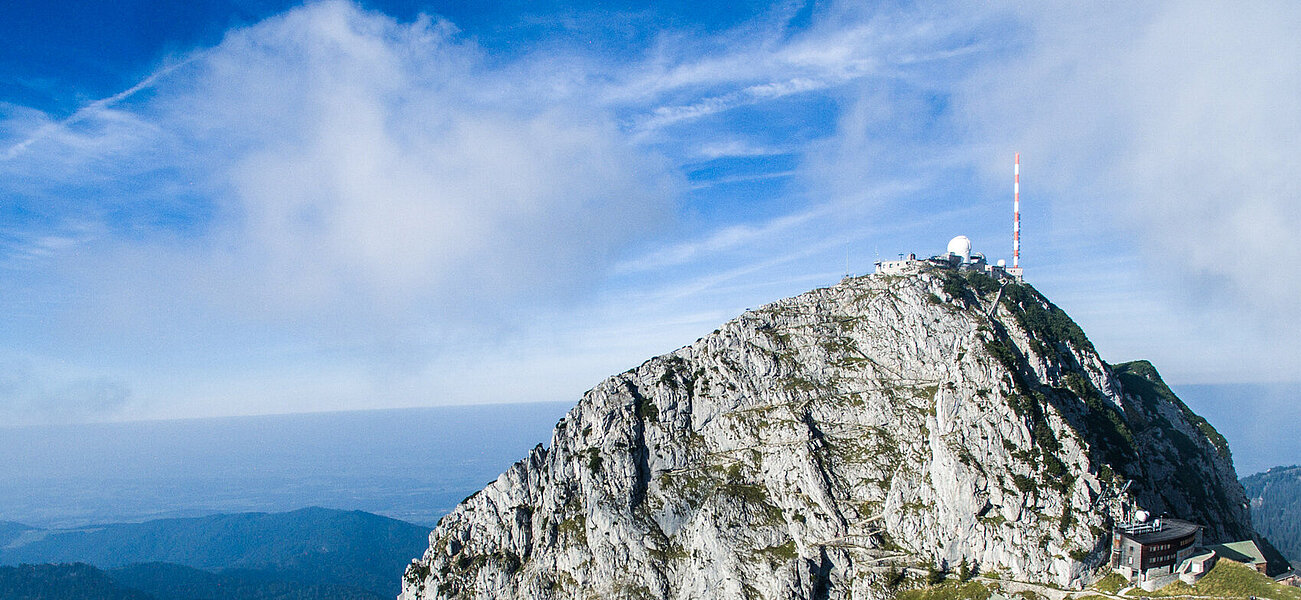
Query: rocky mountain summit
[{"x": 812, "y": 447}]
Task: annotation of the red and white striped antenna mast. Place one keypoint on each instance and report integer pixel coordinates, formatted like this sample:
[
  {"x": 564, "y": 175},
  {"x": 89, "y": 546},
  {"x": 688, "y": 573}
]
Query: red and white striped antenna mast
[{"x": 1016, "y": 213}]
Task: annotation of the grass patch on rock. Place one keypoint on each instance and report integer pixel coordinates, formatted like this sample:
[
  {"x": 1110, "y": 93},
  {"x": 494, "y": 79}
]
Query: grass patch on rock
[
  {"x": 1111, "y": 584},
  {"x": 953, "y": 590},
  {"x": 1227, "y": 580}
]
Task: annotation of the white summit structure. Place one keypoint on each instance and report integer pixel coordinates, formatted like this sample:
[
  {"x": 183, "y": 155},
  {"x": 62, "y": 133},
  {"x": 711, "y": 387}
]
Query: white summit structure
[
  {"x": 961, "y": 246},
  {"x": 958, "y": 256}
]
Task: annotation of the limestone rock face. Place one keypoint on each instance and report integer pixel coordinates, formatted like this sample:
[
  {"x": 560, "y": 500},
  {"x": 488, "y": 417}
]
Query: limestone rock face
[{"x": 807, "y": 448}]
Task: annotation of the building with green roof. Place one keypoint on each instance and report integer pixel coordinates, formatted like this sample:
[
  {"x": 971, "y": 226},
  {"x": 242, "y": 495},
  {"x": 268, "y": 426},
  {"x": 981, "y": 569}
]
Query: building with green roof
[{"x": 1245, "y": 552}]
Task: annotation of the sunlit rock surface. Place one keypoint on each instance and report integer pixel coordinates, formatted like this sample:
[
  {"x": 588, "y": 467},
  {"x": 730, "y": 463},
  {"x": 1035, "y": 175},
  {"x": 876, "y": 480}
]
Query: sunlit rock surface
[{"x": 809, "y": 447}]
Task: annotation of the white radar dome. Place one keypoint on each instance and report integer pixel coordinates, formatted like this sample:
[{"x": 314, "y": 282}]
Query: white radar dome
[
  {"x": 1141, "y": 516},
  {"x": 961, "y": 246}
]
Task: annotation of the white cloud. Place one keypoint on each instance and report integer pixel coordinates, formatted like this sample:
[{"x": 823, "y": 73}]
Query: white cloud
[
  {"x": 39, "y": 127},
  {"x": 738, "y": 148},
  {"x": 356, "y": 196},
  {"x": 1175, "y": 123},
  {"x": 684, "y": 79},
  {"x": 365, "y": 185},
  {"x": 33, "y": 394},
  {"x": 664, "y": 116},
  {"x": 354, "y": 163},
  {"x": 716, "y": 242}
]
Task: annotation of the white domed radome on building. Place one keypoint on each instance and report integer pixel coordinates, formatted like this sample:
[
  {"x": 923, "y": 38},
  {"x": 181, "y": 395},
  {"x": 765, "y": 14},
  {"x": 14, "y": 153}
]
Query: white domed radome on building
[
  {"x": 961, "y": 246},
  {"x": 959, "y": 254}
]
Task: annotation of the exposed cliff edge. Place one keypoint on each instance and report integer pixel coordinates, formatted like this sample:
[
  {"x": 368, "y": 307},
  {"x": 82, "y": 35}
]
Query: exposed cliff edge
[{"x": 808, "y": 447}]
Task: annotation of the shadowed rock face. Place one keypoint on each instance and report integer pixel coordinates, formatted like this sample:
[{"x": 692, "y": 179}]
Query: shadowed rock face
[{"x": 806, "y": 448}]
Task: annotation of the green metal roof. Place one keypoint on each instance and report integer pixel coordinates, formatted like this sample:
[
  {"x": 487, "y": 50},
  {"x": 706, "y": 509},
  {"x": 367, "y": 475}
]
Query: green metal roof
[{"x": 1245, "y": 552}]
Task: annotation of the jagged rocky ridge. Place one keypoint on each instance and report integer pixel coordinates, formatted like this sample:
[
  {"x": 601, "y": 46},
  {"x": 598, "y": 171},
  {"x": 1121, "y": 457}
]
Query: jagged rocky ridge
[{"x": 807, "y": 448}]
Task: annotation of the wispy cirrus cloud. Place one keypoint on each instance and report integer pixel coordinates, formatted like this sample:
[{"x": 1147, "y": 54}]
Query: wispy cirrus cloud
[
  {"x": 739, "y": 148},
  {"x": 662, "y": 116},
  {"x": 1166, "y": 122},
  {"x": 335, "y": 155},
  {"x": 336, "y": 203},
  {"x": 727, "y": 238},
  {"x": 101, "y": 111},
  {"x": 328, "y": 186},
  {"x": 763, "y": 61}
]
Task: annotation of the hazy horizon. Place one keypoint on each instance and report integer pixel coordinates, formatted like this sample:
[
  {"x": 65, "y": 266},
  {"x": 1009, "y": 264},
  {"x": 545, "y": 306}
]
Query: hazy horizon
[{"x": 411, "y": 464}]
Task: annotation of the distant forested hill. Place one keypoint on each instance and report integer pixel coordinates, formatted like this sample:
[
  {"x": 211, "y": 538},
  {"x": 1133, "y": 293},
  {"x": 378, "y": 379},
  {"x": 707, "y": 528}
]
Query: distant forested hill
[
  {"x": 9, "y": 531},
  {"x": 161, "y": 581},
  {"x": 1276, "y": 507},
  {"x": 319, "y": 546},
  {"x": 62, "y": 582},
  {"x": 165, "y": 581}
]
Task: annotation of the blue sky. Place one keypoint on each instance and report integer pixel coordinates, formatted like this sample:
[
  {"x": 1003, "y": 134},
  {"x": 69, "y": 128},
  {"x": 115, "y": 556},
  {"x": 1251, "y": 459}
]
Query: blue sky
[{"x": 244, "y": 207}]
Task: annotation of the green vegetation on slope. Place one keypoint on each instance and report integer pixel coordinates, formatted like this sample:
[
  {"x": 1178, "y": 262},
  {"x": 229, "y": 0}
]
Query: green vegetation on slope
[
  {"x": 1044, "y": 320},
  {"x": 1276, "y": 504},
  {"x": 1147, "y": 415},
  {"x": 1054, "y": 335},
  {"x": 1112, "y": 583},
  {"x": 1228, "y": 580},
  {"x": 950, "y": 590},
  {"x": 1047, "y": 324},
  {"x": 1115, "y": 436},
  {"x": 1140, "y": 377}
]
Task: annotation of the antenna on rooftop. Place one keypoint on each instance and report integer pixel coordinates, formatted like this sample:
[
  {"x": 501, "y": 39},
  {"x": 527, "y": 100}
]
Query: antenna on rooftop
[{"x": 1016, "y": 212}]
